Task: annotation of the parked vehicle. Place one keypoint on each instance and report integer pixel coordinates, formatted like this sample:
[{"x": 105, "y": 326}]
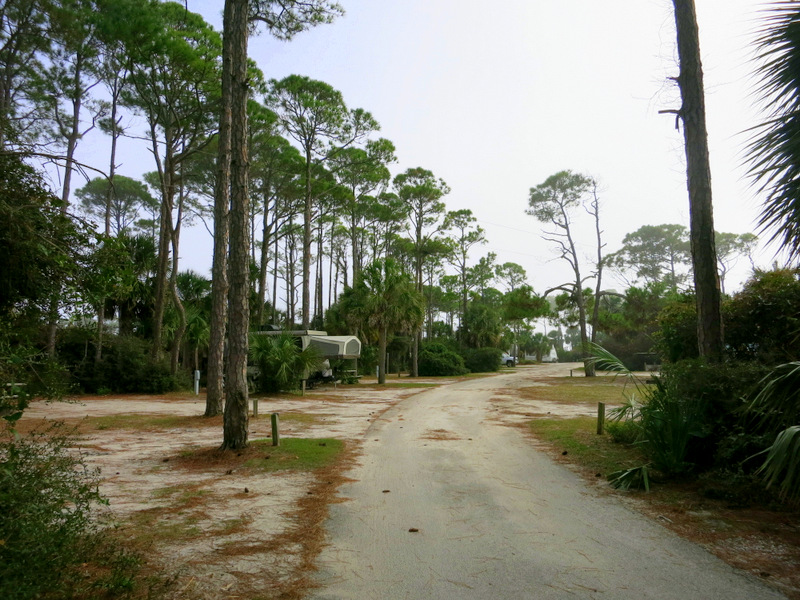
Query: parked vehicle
[{"x": 508, "y": 360}]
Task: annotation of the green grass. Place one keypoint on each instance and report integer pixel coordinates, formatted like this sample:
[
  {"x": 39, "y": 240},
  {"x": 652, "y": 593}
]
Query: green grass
[
  {"x": 146, "y": 422},
  {"x": 581, "y": 390},
  {"x": 294, "y": 453},
  {"x": 578, "y": 437}
]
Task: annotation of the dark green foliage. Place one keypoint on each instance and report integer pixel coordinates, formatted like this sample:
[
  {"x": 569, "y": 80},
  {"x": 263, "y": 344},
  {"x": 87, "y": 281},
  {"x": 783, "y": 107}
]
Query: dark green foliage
[
  {"x": 763, "y": 319},
  {"x": 281, "y": 361},
  {"x": 53, "y": 545},
  {"x": 624, "y": 432},
  {"x": 676, "y": 338},
  {"x": 39, "y": 245},
  {"x": 482, "y": 360},
  {"x": 708, "y": 400},
  {"x": 437, "y": 360},
  {"x": 127, "y": 367}
]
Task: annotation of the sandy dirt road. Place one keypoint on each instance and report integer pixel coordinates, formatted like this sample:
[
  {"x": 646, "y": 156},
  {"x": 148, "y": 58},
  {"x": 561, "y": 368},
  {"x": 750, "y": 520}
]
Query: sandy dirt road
[{"x": 448, "y": 502}]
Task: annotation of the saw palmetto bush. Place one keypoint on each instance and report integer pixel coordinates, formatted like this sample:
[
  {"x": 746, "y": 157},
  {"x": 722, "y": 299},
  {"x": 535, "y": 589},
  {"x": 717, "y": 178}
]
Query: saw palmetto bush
[
  {"x": 776, "y": 408},
  {"x": 281, "y": 361}
]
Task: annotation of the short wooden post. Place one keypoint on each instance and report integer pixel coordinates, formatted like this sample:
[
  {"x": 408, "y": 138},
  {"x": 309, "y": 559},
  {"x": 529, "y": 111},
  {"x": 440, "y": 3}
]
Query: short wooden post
[
  {"x": 255, "y": 407},
  {"x": 601, "y": 417},
  {"x": 276, "y": 437}
]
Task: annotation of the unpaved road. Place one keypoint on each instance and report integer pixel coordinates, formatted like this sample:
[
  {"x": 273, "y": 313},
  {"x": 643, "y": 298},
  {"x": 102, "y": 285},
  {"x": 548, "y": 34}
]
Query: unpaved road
[{"x": 450, "y": 503}]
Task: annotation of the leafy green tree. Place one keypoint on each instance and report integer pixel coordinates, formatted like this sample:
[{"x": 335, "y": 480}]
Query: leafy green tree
[
  {"x": 511, "y": 274},
  {"x": 315, "y": 115},
  {"x": 41, "y": 247},
  {"x": 129, "y": 195},
  {"x": 175, "y": 85},
  {"x": 482, "y": 326},
  {"x": 655, "y": 253},
  {"x": 466, "y": 235},
  {"x": 23, "y": 42},
  {"x": 522, "y": 305},
  {"x": 421, "y": 194},
  {"x": 384, "y": 299},
  {"x": 364, "y": 172}
]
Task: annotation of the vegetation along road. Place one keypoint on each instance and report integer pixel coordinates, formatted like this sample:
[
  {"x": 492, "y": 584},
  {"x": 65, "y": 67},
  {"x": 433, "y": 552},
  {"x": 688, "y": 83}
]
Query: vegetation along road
[{"x": 448, "y": 502}]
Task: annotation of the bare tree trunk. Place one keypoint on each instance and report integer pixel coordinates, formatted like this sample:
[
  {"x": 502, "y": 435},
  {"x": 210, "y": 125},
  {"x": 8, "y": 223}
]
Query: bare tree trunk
[
  {"x": 262, "y": 273},
  {"x": 698, "y": 170},
  {"x": 219, "y": 269},
  {"x": 173, "y": 284},
  {"x": 307, "y": 245},
  {"x": 235, "y": 422},
  {"x": 164, "y": 235},
  {"x": 595, "y": 212}
]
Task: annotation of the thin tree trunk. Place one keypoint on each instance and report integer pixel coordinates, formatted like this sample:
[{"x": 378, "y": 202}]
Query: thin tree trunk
[
  {"x": 698, "y": 170},
  {"x": 173, "y": 284},
  {"x": 307, "y": 244},
  {"x": 235, "y": 421},
  {"x": 262, "y": 272},
  {"x": 598, "y": 287},
  {"x": 382, "y": 356}
]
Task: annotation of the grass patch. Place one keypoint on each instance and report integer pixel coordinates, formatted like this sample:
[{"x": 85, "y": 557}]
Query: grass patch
[
  {"x": 293, "y": 454},
  {"x": 572, "y": 390},
  {"x": 149, "y": 422},
  {"x": 577, "y": 440}
]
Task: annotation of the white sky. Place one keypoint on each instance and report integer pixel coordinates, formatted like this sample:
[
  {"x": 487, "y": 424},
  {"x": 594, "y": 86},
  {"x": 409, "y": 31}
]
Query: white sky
[{"x": 495, "y": 100}]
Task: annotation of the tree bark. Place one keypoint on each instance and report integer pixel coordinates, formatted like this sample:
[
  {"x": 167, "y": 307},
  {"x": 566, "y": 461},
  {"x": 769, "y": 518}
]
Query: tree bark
[
  {"x": 219, "y": 268},
  {"x": 235, "y": 422},
  {"x": 698, "y": 171}
]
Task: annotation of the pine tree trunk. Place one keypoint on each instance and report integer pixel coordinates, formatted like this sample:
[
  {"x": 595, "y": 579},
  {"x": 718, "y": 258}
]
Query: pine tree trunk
[
  {"x": 219, "y": 269},
  {"x": 698, "y": 170},
  {"x": 235, "y": 422}
]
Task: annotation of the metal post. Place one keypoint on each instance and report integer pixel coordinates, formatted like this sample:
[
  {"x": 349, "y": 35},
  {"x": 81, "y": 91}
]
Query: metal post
[
  {"x": 276, "y": 437},
  {"x": 197, "y": 383}
]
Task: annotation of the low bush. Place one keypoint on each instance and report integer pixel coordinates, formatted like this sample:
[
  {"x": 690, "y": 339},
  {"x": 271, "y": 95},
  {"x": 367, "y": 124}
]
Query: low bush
[
  {"x": 436, "y": 360},
  {"x": 482, "y": 360},
  {"x": 51, "y": 545},
  {"x": 127, "y": 367}
]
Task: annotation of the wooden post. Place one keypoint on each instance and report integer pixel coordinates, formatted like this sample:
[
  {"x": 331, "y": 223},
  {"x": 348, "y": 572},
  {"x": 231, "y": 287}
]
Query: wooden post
[
  {"x": 255, "y": 407},
  {"x": 303, "y": 388},
  {"x": 601, "y": 417},
  {"x": 276, "y": 437}
]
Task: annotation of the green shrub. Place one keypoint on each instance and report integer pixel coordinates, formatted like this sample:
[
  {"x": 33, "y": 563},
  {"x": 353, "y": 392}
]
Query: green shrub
[
  {"x": 762, "y": 321},
  {"x": 624, "y": 432},
  {"x": 127, "y": 367},
  {"x": 482, "y": 360},
  {"x": 436, "y": 360},
  {"x": 281, "y": 362},
  {"x": 54, "y": 545}
]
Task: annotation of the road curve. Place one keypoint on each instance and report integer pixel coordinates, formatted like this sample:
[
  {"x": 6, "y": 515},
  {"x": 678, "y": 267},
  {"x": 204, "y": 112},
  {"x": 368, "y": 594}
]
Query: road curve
[{"x": 449, "y": 503}]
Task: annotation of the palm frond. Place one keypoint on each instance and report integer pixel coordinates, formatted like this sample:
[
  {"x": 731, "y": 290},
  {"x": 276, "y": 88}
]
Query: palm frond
[
  {"x": 774, "y": 150},
  {"x": 782, "y": 465}
]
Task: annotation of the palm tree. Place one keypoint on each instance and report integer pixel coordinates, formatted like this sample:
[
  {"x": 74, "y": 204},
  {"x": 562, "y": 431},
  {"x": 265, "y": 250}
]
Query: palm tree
[
  {"x": 281, "y": 361},
  {"x": 385, "y": 298},
  {"x": 775, "y": 162}
]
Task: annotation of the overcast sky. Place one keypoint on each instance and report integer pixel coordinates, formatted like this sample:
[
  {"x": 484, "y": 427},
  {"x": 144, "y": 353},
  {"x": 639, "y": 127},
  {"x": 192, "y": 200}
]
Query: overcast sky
[{"x": 495, "y": 100}]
